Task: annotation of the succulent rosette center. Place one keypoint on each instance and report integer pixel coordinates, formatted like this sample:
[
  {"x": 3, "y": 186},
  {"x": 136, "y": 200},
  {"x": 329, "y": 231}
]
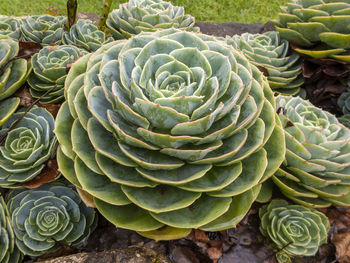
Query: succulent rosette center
[
  {"x": 294, "y": 229},
  {"x": 45, "y": 218},
  {"x": 173, "y": 119}
]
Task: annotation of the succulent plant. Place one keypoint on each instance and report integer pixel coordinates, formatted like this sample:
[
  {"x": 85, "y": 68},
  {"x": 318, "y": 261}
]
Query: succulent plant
[
  {"x": 162, "y": 130},
  {"x": 48, "y": 217},
  {"x": 13, "y": 72},
  {"x": 319, "y": 28},
  {"x": 28, "y": 145},
  {"x": 84, "y": 34},
  {"x": 269, "y": 52},
  {"x": 345, "y": 120},
  {"x": 50, "y": 67},
  {"x": 7, "y": 108},
  {"x": 136, "y": 16},
  {"x": 294, "y": 229},
  {"x": 9, "y": 252},
  {"x": 10, "y": 26},
  {"x": 44, "y": 29},
  {"x": 317, "y": 166},
  {"x": 344, "y": 100}
]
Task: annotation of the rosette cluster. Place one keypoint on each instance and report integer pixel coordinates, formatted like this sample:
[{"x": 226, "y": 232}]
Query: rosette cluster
[
  {"x": 48, "y": 217},
  {"x": 9, "y": 253},
  {"x": 316, "y": 170},
  {"x": 10, "y": 26},
  {"x": 27, "y": 146},
  {"x": 137, "y": 16},
  {"x": 294, "y": 229},
  {"x": 319, "y": 28},
  {"x": 44, "y": 29},
  {"x": 84, "y": 34},
  {"x": 273, "y": 55},
  {"x": 169, "y": 131},
  {"x": 50, "y": 68}
]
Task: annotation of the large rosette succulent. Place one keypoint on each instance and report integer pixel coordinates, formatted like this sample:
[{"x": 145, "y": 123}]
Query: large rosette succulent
[
  {"x": 50, "y": 67},
  {"x": 13, "y": 71},
  {"x": 28, "y": 145},
  {"x": 169, "y": 129},
  {"x": 9, "y": 252},
  {"x": 295, "y": 230},
  {"x": 319, "y": 28},
  {"x": 49, "y": 217},
  {"x": 136, "y": 16},
  {"x": 10, "y": 26},
  {"x": 269, "y": 52},
  {"x": 44, "y": 29},
  {"x": 84, "y": 34},
  {"x": 316, "y": 171}
]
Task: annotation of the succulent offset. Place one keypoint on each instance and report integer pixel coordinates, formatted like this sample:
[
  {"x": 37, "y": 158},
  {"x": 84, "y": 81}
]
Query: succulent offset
[
  {"x": 345, "y": 120},
  {"x": 169, "y": 131},
  {"x": 44, "y": 29},
  {"x": 319, "y": 28},
  {"x": 10, "y": 26},
  {"x": 84, "y": 34},
  {"x": 294, "y": 229},
  {"x": 49, "y": 217},
  {"x": 27, "y": 146},
  {"x": 316, "y": 171},
  {"x": 13, "y": 71},
  {"x": 50, "y": 67},
  {"x": 271, "y": 53},
  {"x": 9, "y": 252},
  {"x": 344, "y": 100},
  {"x": 136, "y": 16}
]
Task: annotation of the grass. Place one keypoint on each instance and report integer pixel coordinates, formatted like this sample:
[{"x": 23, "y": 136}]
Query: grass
[{"x": 243, "y": 11}]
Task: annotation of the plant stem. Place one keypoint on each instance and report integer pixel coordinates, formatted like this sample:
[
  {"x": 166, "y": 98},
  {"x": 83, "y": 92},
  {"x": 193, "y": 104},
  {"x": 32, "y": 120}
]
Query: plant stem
[
  {"x": 72, "y": 6},
  {"x": 103, "y": 17}
]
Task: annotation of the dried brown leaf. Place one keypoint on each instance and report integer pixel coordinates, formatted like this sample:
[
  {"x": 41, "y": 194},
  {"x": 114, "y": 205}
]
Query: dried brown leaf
[
  {"x": 48, "y": 174},
  {"x": 87, "y": 198},
  {"x": 342, "y": 244},
  {"x": 214, "y": 254},
  {"x": 28, "y": 49}
]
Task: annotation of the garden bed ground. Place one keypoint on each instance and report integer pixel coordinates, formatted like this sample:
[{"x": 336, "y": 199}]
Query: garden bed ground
[{"x": 242, "y": 244}]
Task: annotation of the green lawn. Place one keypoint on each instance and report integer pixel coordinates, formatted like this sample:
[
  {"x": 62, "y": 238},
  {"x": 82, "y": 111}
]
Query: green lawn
[{"x": 244, "y": 11}]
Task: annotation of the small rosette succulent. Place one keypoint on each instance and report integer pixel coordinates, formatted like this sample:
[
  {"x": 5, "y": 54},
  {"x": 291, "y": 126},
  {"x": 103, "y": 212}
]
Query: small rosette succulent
[
  {"x": 169, "y": 131},
  {"x": 270, "y": 52},
  {"x": 345, "y": 120},
  {"x": 50, "y": 67},
  {"x": 48, "y": 217},
  {"x": 14, "y": 72},
  {"x": 316, "y": 171},
  {"x": 84, "y": 34},
  {"x": 10, "y": 26},
  {"x": 136, "y": 16},
  {"x": 319, "y": 28},
  {"x": 9, "y": 253},
  {"x": 294, "y": 229},
  {"x": 344, "y": 100},
  {"x": 27, "y": 146},
  {"x": 44, "y": 29}
]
